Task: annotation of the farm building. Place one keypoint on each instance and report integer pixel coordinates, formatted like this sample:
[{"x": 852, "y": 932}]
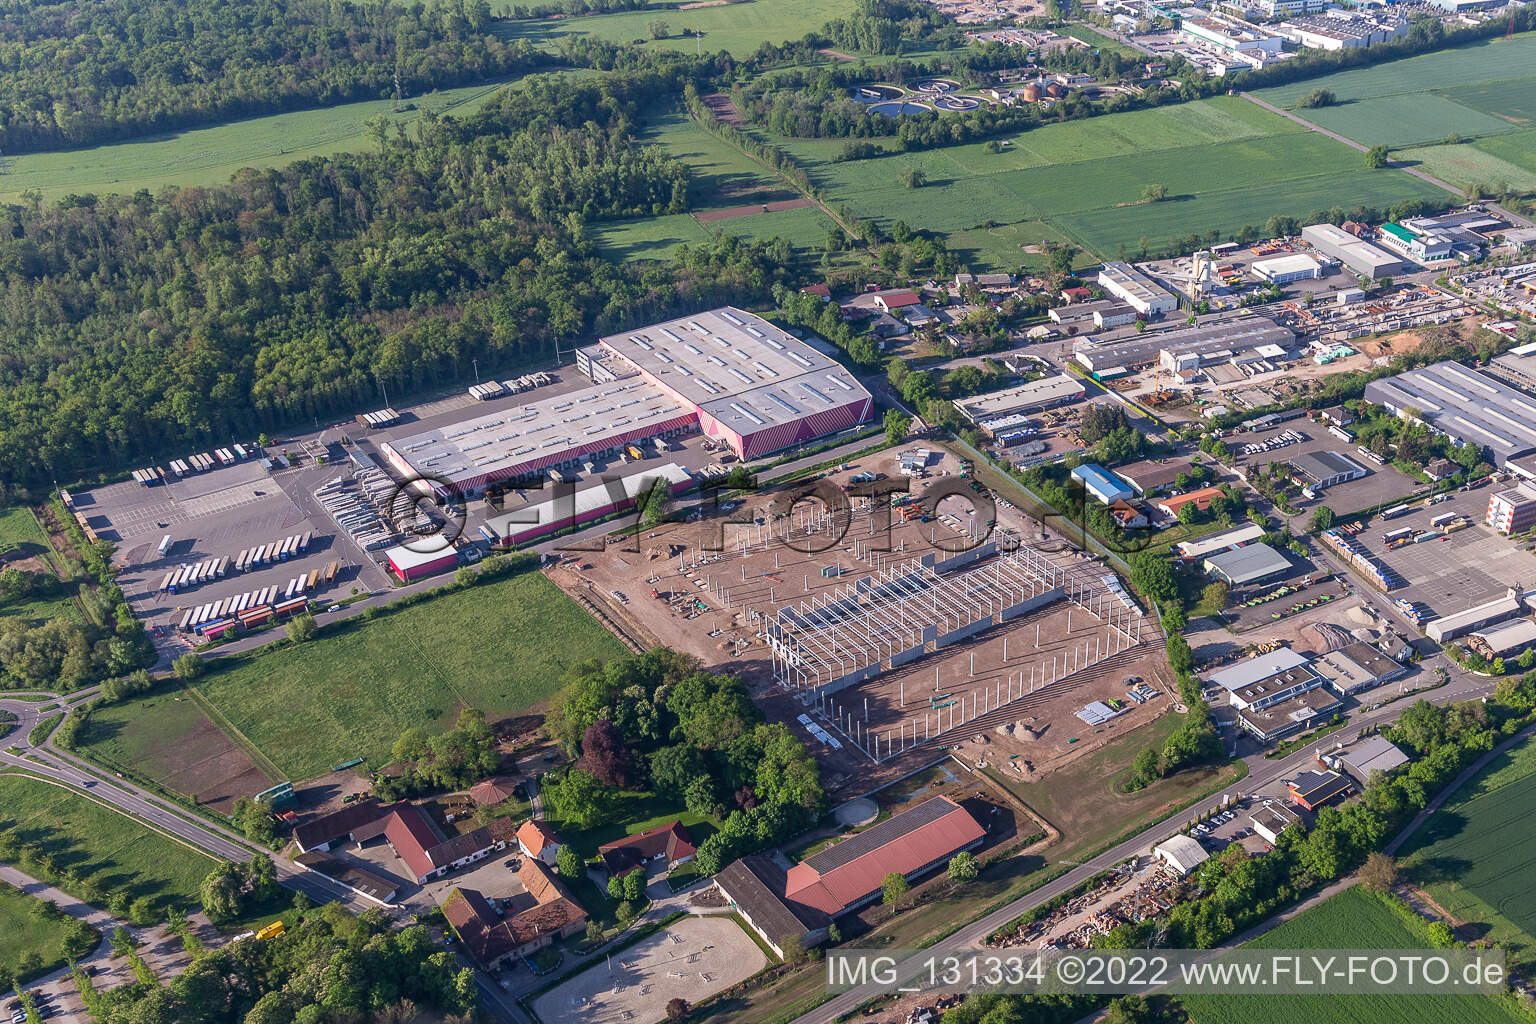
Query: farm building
[
  {"x": 536, "y": 917},
  {"x": 537, "y": 840},
  {"x": 1136, "y": 289},
  {"x": 1045, "y": 393},
  {"x": 1321, "y": 470},
  {"x": 729, "y": 373},
  {"x": 1180, "y": 854},
  {"x": 1251, "y": 563},
  {"x": 849, "y": 874},
  {"x": 669, "y": 844},
  {"x": 409, "y": 564},
  {"x": 755, "y": 888},
  {"x": 576, "y": 508},
  {"x": 1100, "y": 483},
  {"x": 1466, "y": 405}
]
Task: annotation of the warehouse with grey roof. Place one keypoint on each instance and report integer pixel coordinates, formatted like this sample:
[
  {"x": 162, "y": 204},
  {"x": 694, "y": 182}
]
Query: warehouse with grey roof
[
  {"x": 1466, "y": 405},
  {"x": 1188, "y": 346}
]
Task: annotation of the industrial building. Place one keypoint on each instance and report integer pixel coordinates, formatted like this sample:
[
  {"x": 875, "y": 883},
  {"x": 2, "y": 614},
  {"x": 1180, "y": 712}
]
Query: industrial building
[
  {"x": 1466, "y": 405},
  {"x": 1294, "y": 714},
  {"x": 425, "y": 557},
  {"x": 1254, "y": 670},
  {"x": 1033, "y": 396},
  {"x": 1147, "y": 478},
  {"x": 727, "y": 372},
  {"x": 1318, "y": 471},
  {"x": 1237, "y": 339},
  {"x": 1136, "y": 289},
  {"x": 1453, "y": 627},
  {"x": 1362, "y": 258},
  {"x": 1422, "y": 246},
  {"x": 1505, "y": 640},
  {"x": 1100, "y": 483},
  {"x": 571, "y": 508},
  {"x": 1340, "y": 31},
  {"x": 1253, "y": 563},
  {"x": 1296, "y": 266},
  {"x": 1313, "y": 789},
  {"x": 1356, "y": 667},
  {"x": 1271, "y": 819},
  {"x": 1218, "y": 542},
  {"x": 1512, "y": 511},
  {"x": 1371, "y": 755},
  {"x": 1225, "y": 34},
  {"x": 1180, "y": 854}
]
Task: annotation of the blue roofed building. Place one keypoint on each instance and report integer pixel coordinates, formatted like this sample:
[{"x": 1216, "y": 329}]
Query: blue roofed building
[{"x": 1102, "y": 484}]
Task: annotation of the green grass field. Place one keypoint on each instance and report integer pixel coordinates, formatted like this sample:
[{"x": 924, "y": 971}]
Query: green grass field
[
  {"x": 739, "y": 28},
  {"x": 1481, "y": 89},
  {"x": 209, "y": 156},
  {"x": 22, "y": 538},
  {"x": 501, "y": 647},
  {"x": 1497, "y": 160},
  {"x": 21, "y": 932},
  {"x": 1354, "y": 919},
  {"x": 96, "y": 843},
  {"x": 1226, "y": 162},
  {"x": 1474, "y": 856}
]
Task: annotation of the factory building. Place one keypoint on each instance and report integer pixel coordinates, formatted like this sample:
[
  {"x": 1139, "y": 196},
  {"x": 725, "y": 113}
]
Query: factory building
[
  {"x": 1297, "y": 266},
  {"x": 1136, "y": 289},
  {"x": 1362, "y": 258},
  {"x": 1337, "y": 30},
  {"x": 1318, "y": 471},
  {"x": 1252, "y": 563},
  {"x": 1227, "y": 35},
  {"x": 1033, "y": 396},
  {"x": 1238, "y": 339},
  {"x": 728, "y": 373},
  {"x": 1422, "y": 246},
  {"x": 1101, "y": 483},
  {"x": 1512, "y": 511},
  {"x": 1453, "y": 627},
  {"x": 1466, "y": 405}
]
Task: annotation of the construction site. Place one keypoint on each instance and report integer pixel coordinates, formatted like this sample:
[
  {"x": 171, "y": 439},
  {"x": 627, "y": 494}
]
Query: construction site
[{"x": 891, "y": 631}]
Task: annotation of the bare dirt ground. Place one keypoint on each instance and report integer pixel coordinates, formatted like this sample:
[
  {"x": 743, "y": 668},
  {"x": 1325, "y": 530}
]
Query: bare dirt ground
[
  {"x": 732, "y": 212},
  {"x": 723, "y": 108},
  {"x": 705, "y": 587},
  {"x": 208, "y": 765}
]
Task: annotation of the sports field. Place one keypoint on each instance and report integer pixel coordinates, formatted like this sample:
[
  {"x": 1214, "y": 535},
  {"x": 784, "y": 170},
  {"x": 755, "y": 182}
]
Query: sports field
[
  {"x": 1475, "y": 856},
  {"x": 1354, "y": 919},
  {"x": 95, "y": 843},
  {"x": 737, "y": 27},
  {"x": 1475, "y": 90},
  {"x": 209, "y": 156},
  {"x": 1496, "y": 161},
  {"x": 502, "y": 647},
  {"x": 1226, "y": 163}
]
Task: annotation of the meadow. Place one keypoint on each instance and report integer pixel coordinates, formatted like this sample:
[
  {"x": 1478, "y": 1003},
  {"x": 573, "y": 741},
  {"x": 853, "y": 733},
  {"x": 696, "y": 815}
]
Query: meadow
[
  {"x": 95, "y": 843},
  {"x": 1353, "y": 919},
  {"x": 209, "y": 156},
  {"x": 22, "y": 539},
  {"x": 1225, "y": 162},
  {"x": 738, "y": 28},
  {"x": 1495, "y": 160},
  {"x": 21, "y": 931},
  {"x": 1475, "y": 90},
  {"x": 1474, "y": 856},
  {"x": 502, "y": 647}
]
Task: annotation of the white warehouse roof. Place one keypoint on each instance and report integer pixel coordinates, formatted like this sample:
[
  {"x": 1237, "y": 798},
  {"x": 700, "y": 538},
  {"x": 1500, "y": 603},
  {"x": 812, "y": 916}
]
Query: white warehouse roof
[{"x": 1245, "y": 673}]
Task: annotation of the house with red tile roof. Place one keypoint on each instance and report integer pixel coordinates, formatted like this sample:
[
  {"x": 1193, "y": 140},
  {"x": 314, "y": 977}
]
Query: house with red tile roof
[
  {"x": 850, "y": 874},
  {"x": 670, "y": 841},
  {"x": 543, "y": 912},
  {"x": 1201, "y": 499},
  {"x": 537, "y": 840},
  {"x": 889, "y": 301}
]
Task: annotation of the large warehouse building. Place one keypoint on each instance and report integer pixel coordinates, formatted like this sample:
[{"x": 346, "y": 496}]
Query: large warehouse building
[
  {"x": 1466, "y": 405},
  {"x": 1136, "y": 289},
  {"x": 727, "y": 372},
  {"x": 1239, "y": 338},
  {"x": 1361, "y": 257}
]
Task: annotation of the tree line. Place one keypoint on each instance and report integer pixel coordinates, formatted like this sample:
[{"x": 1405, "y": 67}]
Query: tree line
[{"x": 75, "y": 74}]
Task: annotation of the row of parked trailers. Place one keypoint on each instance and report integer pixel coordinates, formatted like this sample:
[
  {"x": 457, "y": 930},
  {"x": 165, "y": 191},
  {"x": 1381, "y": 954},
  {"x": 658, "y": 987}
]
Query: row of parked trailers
[
  {"x": 199, "y": 463},
  {"x": 497, "y": 388},
  {"x": 357, "y": 510},
  {"x": 381, "y": 418},
  {"x": 277, "y": 551},
  {"x": 256, "y": 606}
]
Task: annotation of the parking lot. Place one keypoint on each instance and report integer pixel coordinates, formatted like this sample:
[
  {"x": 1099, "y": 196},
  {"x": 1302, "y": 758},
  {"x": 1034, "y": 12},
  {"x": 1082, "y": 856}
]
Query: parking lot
[{"x": 1382, "y": 484}]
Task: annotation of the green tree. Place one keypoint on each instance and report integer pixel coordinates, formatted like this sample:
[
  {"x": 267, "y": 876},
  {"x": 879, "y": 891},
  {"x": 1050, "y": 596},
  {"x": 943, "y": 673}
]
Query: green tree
[
  {"x": 568, "y": 862},
  {"x": 897, "y": 423},
  {"x": 1188, "y": 514},
  {"x": 1215, "y": 596},
  {"x": 221, "y": 891},
  {"x": 1322, "y": 519},
  {"x": 963, "y": 868},
  {"x": 894, "y": 889},
  {"x": 658, "y": 29},
  {"x": 658, "y": 505},
  {"x": 301, "y": 628},
  {"x": 914, "y": 177},
  {"x": 578, "y": 800},
  {"x": 1376, "y": 157},
  {"x": 1154, "y": 193},
  {"x": 189, "y": 666}
]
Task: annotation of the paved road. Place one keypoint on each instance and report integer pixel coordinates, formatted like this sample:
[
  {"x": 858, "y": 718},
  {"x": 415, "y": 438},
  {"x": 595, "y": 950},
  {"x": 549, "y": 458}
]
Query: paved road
[{"x": 1262, "y": 771}]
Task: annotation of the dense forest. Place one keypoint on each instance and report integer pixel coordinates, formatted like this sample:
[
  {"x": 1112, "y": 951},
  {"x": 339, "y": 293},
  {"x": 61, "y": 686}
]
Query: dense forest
[
  {"x": 90, "y": 71},
  {"x": 139, "y": 324}
]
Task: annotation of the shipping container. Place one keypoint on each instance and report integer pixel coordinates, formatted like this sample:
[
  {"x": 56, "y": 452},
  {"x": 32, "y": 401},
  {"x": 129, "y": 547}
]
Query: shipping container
[{"x": 222, "y": 568}]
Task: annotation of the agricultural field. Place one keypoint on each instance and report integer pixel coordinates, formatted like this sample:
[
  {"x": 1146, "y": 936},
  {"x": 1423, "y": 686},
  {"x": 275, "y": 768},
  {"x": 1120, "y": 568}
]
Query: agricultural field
[
  {"x": 502, "y": 647},
  {"x": 209, "y": 156},
  {"x": 1474, "y": 857},
  {"x": 1226, "y": 163},
  {"x": 1354, "y": 919},
  {"x": 96, "y": 843},
  {"x": 1481, "y": 89},
  {"x": 21, "y": 931},
  {"x": 737, "y": 26},
  {"x": 1496, "y": 161}
]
